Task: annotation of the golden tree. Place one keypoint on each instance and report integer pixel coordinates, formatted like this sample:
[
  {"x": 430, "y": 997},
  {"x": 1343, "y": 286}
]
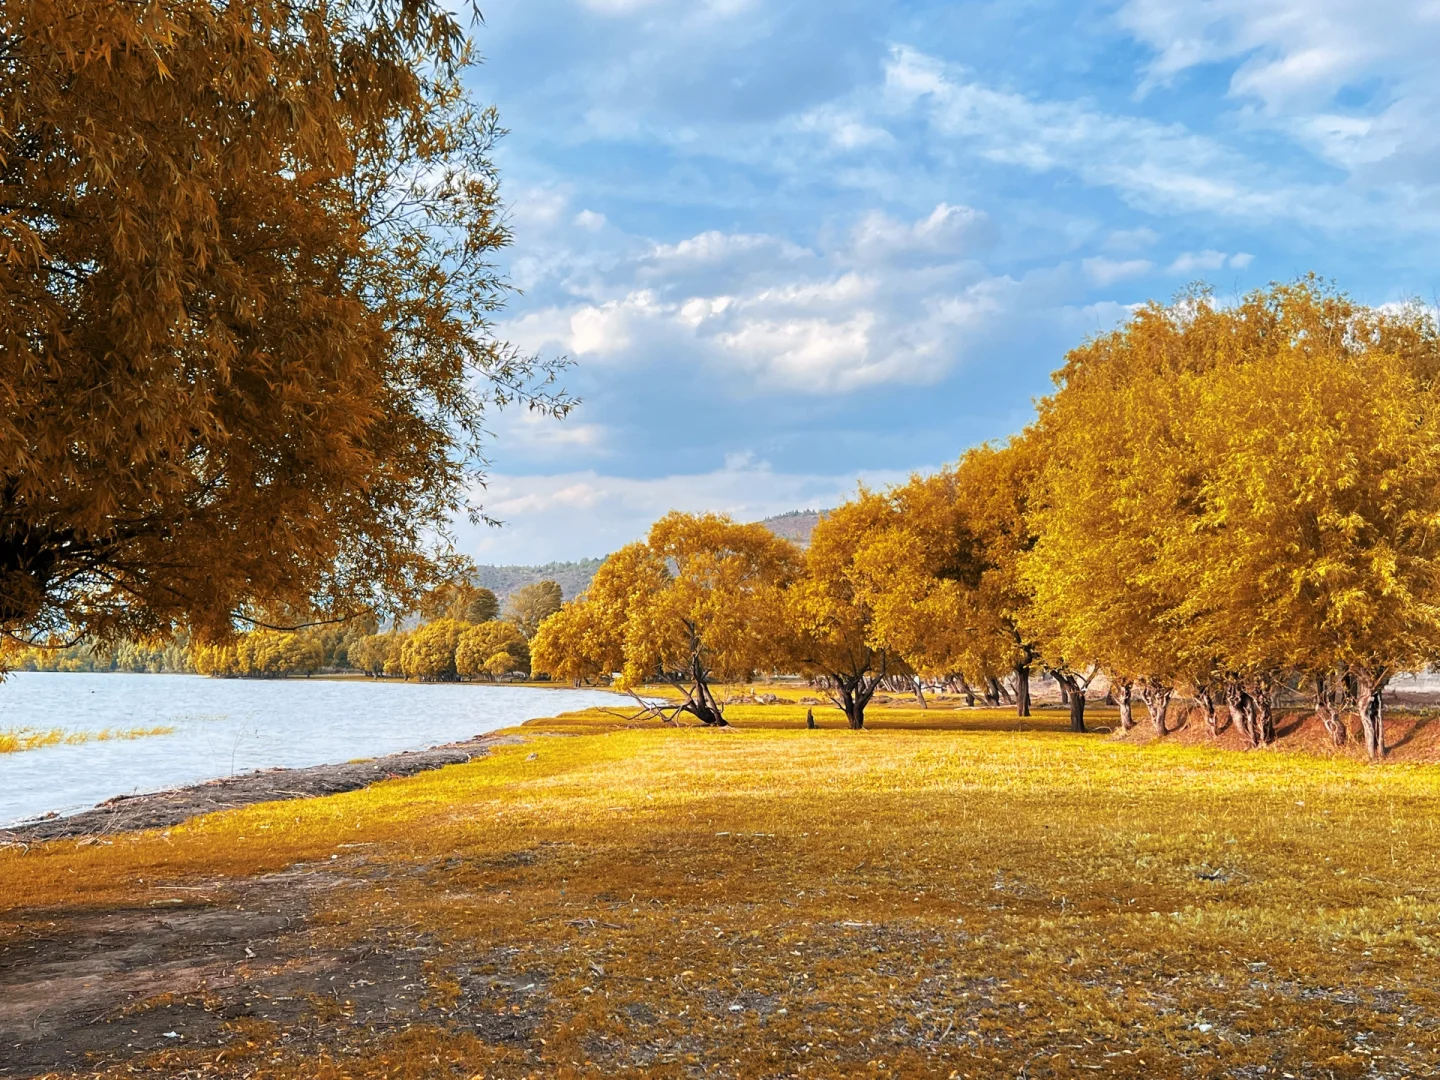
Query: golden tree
[
  {"x": 245, "y": 300},
  {"x": 429, "y": 651},
  {"x": 943, "y": 577},
  {"x": 1236, "y": 496},
  {"x": 828, "y": 611},
  {"x": 701, "y": 599},
  {"x": 492, "y": 649}
]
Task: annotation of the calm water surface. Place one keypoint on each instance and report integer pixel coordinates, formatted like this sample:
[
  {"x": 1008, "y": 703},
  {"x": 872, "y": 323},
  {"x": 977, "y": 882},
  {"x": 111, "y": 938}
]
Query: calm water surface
[{"x": 227, "y": 726}]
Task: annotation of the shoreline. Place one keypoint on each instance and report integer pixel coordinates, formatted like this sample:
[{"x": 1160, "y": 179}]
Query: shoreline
[{"x": 162, "y": 809}]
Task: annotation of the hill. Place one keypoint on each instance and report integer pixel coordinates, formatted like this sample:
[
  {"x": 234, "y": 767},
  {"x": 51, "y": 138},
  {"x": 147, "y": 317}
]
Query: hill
[
  {"x": 574, "y": 577},
  {"x": 796, "y": 525}
]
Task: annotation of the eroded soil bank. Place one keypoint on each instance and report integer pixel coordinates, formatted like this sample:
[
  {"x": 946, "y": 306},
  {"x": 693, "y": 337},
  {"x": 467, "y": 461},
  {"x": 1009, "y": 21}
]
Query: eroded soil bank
[{"x": 161, "y": 809}]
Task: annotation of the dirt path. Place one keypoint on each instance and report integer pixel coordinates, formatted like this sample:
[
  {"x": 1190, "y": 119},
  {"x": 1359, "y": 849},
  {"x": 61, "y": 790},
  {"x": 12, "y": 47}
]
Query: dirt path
[
  {"x": 82, "y": 990},
  {"x": 129, "y": 813}
]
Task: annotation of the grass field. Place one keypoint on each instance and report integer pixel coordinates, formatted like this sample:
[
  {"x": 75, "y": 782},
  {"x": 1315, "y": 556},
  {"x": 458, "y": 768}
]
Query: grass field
[{"x": 946, "y": 895}]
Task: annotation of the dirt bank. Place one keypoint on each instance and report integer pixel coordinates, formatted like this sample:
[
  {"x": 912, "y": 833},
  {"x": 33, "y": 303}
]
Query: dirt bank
[{"x": 161, "y": 809}]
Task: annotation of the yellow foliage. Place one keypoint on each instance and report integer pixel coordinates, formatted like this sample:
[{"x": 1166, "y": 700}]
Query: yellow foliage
[
  {"x": 234, "y": 381},
  {"x": 702, "y": 598},
  {"x": 259, "y": 654},
  {"x": 429, "y": 651},
  {"x": 492, "y": 648}
]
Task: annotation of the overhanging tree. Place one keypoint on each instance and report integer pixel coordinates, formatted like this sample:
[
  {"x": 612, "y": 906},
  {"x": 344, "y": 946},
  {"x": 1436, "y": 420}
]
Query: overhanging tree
[{"x": 245, "y": 300}]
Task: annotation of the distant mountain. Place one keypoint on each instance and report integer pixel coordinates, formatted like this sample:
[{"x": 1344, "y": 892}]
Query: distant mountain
[
  {"x": 574, "y": 577},
  {"x": 796, "y": 525}
]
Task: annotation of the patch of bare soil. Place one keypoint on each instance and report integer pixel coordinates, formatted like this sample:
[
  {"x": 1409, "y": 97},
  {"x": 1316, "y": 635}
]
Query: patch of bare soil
[
  {"x": 81, "y": 991},
  {"x": 130, "y": 813}
]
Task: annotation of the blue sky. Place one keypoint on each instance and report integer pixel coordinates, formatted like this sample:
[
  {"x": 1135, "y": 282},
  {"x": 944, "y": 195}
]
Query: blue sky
[{"x": 791, "y": 246}]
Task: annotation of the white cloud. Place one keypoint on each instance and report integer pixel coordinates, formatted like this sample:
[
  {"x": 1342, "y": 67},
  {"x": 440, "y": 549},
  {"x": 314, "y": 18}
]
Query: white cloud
[
  {"x": 949, "y": 231},
  {"x": 1297, "y": 61},
  {"x": 1158, "y": 167},
  {"x": 590, "y": 221},
  {"x": 584, "y": 514},
  {"x": 1193, "y": 262},
  {"x": 1105, "y": 271},
  {"x": 892, "y": 301}
]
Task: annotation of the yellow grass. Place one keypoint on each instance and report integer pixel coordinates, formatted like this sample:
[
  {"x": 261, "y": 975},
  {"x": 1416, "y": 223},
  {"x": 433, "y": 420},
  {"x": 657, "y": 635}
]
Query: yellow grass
[
  {"x": 946, "y": 895},
  {"x": 15, "y": 740}
]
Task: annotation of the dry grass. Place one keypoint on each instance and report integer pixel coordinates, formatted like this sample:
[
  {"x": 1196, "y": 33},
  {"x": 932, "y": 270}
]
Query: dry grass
[
  {"x": 947, "y": 895},
  {"x": 16, "y": 740}
]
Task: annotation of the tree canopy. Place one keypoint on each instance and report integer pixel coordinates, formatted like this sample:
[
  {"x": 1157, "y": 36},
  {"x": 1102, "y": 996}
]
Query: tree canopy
[
  {"x": 699, "y": 600},
  {"x": 246, "y": 292}
]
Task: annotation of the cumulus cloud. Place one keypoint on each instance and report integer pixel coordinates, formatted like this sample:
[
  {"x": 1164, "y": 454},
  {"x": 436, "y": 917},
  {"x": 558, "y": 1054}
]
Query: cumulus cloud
[{"x": 890, "y": 301}]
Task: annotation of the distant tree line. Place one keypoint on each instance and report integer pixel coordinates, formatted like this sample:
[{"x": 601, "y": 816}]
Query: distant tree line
[
  {"x": 1217, "y": 502},
  {"x": 463, "y": 635}
]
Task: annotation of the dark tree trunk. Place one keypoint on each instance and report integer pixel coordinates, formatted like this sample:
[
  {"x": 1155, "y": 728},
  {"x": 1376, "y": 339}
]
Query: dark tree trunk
[
  {"x": 1157, "y": 703},
  {"x": 1077, "y": 711},
  {"x": 920, "y": 694},
  {"x": 994, "y": 692},
  {"x": 1262, "y": 694},
  {"x": 1123, "y": 699},
  {"x": 1242, "y": 710},
  {"x": 702, "y": 703},
  {"x": 1064, "y": 691},
  {"x": 965, "y": 689},
  {"x": 1022, "y": 689},
  {"x": 1372, "y": 713},
  {"x": 1329, "y": 706},
  {"x": 854, "y": 694},
  {"x": 810, "y": 719}
]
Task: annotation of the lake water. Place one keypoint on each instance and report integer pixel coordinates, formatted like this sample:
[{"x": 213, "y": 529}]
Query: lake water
[{"x": 228, "y": 726}]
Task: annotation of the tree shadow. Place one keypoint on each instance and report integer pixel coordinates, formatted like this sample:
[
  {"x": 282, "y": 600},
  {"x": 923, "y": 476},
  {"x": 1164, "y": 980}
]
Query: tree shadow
[{"x": 1421, "y": 722}]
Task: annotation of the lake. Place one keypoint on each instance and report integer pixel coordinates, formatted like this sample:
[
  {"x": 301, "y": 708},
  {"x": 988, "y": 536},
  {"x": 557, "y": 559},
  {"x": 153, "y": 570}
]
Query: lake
[{"x": 228, "y": 726}]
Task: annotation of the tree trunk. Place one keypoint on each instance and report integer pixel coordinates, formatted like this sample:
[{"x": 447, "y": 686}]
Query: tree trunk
[
  {"x": 1064, "y": 691},
  {"x": 992, "y": 691},
  {"x": 703, "y": 704},
  {"x": 1329, "y": 701},
  {"x": 965, "y": 689},
  {"x": 1157, "y": 704},
  {"x": 1262, "y": 694},
  {"x": 1022, "y": 689},
  {"x": 1207, "y": 706},
  {"x": 1077, "y": 710},
  {"x": 920, "y": 694},
  {"x": 855, "y": 694},
  {"x": 1242, "y": 709},
  {"x": 1372, "y": 713},
  {"x": 1123, "y": 699},
  {"x": 810, "y": 719}
]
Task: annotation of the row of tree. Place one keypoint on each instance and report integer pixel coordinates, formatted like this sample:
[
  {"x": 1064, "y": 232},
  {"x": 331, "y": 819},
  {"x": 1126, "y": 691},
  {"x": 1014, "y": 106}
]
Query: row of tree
[
  {"x": 1217, "y": 501},
  {"x": 463, "y": 636}
]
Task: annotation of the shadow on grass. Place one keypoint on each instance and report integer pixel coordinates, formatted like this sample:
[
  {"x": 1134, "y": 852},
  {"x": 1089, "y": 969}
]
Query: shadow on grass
[{"x": 878, "y": 718}]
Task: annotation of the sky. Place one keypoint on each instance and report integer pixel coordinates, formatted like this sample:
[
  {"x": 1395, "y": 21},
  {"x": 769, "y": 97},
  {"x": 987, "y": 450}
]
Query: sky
[{"x": 796, "y": 246}]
